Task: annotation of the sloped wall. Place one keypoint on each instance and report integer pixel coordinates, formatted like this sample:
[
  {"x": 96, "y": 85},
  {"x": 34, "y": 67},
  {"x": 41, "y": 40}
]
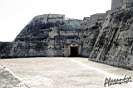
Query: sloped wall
[
  {"x": 91, "y": 27},
  {"x": 45, "y": 35},
  {"x": 114, "y": 43}
]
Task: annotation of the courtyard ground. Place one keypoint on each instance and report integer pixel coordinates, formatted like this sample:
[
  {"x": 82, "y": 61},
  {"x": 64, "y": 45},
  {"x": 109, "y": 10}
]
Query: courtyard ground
[{"x": 60, "y": 72}]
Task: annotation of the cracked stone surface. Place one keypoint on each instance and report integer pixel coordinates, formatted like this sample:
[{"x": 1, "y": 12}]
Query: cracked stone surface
[{"x": 9, "y": 80}]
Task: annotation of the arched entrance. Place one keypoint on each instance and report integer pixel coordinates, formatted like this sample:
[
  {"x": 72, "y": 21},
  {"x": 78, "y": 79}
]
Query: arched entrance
[{"x": 74, "y": 50}]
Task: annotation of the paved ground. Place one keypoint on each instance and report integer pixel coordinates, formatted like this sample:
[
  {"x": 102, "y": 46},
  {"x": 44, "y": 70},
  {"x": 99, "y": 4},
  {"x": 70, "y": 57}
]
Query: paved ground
[{"x": 64, "y": 72}]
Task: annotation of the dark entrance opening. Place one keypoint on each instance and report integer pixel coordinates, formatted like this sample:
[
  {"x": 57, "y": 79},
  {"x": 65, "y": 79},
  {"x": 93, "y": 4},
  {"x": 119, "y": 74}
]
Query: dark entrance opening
[{"x": 74, "y": 51}]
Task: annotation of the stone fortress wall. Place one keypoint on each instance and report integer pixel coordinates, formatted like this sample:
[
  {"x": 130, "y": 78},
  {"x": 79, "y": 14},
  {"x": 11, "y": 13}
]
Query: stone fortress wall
[
  {"x": 102, "y": 37},
  {"x": 117, "y": 4},
  {"x": 52, "y": 37}
]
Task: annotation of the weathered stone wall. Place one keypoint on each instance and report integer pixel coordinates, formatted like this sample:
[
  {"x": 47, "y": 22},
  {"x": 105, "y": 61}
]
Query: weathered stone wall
[
  {"x": 121, "y": 4},
  {"x": 105, "y": 37},
  {"x": 5, "y": 48},
  {"x": 91, "y": 27},
  {"x": 114, "y": 44},
  {"x": 116, "y": 4},
  {"x": 47, "y": 35},
  {"x": 27, "y": 49}
]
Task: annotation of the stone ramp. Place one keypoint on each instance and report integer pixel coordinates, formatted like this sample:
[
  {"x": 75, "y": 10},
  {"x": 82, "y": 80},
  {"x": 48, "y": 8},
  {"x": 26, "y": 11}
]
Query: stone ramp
[{"x": 9, "y": 80}]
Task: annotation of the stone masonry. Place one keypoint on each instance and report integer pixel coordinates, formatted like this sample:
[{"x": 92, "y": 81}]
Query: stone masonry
[{"x": 102, "y": 37}]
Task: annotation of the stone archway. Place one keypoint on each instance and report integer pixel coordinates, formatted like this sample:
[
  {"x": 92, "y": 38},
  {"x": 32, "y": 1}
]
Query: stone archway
[{"x": 72, "y": 50}]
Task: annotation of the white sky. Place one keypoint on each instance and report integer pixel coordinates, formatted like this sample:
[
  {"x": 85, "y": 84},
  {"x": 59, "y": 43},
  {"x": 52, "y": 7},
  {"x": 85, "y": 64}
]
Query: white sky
[{"x": 15, "y": 14}]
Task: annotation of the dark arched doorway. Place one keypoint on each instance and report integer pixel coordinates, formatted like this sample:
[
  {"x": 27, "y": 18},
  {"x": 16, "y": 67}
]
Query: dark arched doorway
[{"x": 74, "y": 51}]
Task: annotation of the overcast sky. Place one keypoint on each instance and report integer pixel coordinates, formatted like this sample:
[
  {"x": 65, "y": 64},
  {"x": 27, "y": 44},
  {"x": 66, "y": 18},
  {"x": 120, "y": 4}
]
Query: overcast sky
[{"x": 15, "y": 14}]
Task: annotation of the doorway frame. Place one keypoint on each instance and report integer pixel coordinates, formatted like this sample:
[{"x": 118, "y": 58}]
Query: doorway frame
[{"x": 67, "y": 49}]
